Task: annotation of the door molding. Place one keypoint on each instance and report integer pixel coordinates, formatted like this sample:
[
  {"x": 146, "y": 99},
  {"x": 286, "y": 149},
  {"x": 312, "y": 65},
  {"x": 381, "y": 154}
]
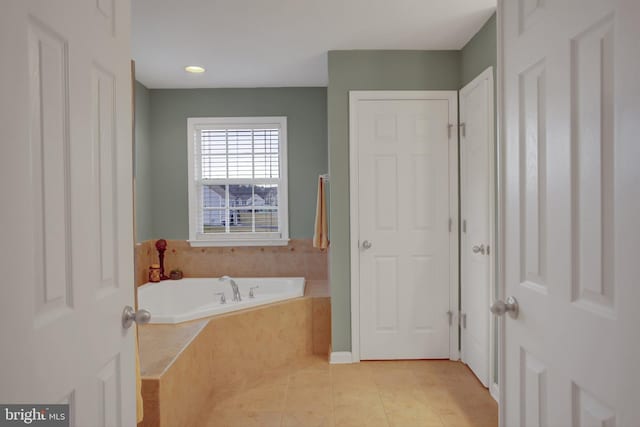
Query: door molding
[
  {"x": 487, "y": 75},
  {"x": 354, "y": 98},
  {"x": 500, "y": 188}
]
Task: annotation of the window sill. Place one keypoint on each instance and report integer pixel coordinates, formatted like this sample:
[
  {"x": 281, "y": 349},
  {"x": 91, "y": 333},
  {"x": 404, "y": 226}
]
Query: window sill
[{"x": 239, "y": 242}]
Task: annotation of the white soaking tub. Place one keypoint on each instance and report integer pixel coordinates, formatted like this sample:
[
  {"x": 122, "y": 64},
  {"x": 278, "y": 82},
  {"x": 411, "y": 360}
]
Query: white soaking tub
[{"x": 175, "y": 301}]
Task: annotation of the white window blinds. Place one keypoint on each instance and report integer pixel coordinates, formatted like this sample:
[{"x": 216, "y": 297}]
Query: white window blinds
[{"x": 239, "y": 153}]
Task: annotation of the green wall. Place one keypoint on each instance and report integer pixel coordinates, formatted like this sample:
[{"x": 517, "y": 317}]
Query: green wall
[
  {"x": 367, "y": 70},
  {"x": 142, "y": 164},
  {"x": 306, "y": 111},
  {"x": 480, "y": 52}
]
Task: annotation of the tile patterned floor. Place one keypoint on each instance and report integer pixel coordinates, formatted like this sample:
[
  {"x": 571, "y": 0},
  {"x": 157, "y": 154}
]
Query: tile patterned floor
[{"x": 313, "y": 393}]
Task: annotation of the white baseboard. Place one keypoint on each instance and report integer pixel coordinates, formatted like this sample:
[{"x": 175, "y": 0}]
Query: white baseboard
[
  {"x": 494, "y": 391},
  {"x": 340, "y": 357}
]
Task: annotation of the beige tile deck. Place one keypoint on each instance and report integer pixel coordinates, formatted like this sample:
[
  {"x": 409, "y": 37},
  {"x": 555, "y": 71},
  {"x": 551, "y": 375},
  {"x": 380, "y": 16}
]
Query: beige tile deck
[
  {"x": 161, "y": 344},
  {"x": 312, "y": 393}
]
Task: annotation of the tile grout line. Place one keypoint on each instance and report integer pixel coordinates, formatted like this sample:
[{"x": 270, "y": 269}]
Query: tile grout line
[
  {"x": 384, "y": 409},
  {"x": 286, "y": 396},
  {"x": 429, "y": 403},
  {"x": 333, "y": 406}
]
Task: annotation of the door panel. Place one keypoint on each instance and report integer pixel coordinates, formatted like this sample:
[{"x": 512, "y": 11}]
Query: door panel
[
  {"x": 404, "y": 210},
  {"x": 533, "y": 105},
  {"x": 386, "y": 294},
  {"x": 476, "y": 204},
  {"x": 568, "y": 90},
  {"x": 533, "y": 391},
  {"x": 592, "y": 156},
  {"x": 386, "y": 188},
  {"x": 49, "y": 165},
  {"x": 67, "y": 253}
]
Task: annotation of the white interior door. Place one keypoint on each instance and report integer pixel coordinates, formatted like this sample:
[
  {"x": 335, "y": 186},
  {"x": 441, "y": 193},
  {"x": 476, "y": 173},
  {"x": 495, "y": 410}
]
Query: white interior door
[
  {"x": 404, "y": 214},
  {"x": 476, "y": 206},
  {"x": 67, "y": 250},
  {"x": 571, "y": 108}
]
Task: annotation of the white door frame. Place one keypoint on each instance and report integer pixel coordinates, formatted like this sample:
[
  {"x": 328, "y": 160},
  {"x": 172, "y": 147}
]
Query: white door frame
[
  {"x": 493, "y": 253},
  {"x": 500, "y": 273},
  {"x": 354, "y": 98}
]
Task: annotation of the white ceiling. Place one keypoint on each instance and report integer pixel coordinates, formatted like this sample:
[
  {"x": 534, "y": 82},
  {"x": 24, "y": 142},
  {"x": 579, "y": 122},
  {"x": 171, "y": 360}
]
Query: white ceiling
[{"x": 258, "y": 43}]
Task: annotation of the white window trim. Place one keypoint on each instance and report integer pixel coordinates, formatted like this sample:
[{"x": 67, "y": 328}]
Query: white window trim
[{"x": 254, "y": 239}]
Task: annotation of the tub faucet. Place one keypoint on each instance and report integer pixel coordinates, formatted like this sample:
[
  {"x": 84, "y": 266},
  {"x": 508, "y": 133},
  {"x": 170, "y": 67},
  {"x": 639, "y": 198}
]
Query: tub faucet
[{"x": 234, "y": 287}]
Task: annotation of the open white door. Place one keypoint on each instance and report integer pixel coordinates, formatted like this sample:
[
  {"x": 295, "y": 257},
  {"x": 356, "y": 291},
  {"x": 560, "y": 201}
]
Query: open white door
[
  {"x": 403, "y": 202},
  {"x": 572, "y": 202},
  {"x": 66, "y": 217},
  {"x": 477, "y": 216}
]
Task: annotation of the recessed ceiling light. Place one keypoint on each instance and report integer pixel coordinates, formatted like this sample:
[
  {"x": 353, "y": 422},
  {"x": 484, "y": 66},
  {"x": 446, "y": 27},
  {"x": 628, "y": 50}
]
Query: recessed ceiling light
[{"x": 196, "y": 69}]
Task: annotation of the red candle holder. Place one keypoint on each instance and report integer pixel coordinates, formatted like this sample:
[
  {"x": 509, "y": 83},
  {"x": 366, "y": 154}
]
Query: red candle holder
[{"x": 161, "y": 247}]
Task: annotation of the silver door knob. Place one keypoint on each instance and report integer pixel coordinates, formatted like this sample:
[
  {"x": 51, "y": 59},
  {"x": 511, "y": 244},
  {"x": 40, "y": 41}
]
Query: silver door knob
[
  {"x": 499, "y": 308},
  {"x": 478, "y": 249},
  {"x": 366, "y": 244},
  {"x": 129, "y": 316}
]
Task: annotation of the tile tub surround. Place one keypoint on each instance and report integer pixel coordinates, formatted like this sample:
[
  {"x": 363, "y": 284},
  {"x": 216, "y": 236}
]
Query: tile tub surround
[
  {"x": 321, "y": 324},
  {"x": 298, "y": 259},
  {"x": 183, "y": 365}
]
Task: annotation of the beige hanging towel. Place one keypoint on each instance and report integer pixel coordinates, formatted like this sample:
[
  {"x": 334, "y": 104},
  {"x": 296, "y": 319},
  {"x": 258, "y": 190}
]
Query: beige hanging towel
[{"x": 320, "y": 234}]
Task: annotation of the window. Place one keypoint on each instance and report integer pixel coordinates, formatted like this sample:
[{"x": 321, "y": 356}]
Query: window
[{"x": 238, "y": 181}]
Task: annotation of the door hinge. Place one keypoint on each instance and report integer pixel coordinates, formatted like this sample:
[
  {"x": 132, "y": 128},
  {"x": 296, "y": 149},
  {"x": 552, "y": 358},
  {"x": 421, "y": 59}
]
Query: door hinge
[
  {"x": 463, "y": 320},
  {"x": 450, "y": 316},
  {"x": 488, "y": 250},
  {"x": 450, "y": 224},
  {"x": 463, "y": 129},
  {"x": 464, "y": 225},
  {"x": 449, "y": 127}
]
